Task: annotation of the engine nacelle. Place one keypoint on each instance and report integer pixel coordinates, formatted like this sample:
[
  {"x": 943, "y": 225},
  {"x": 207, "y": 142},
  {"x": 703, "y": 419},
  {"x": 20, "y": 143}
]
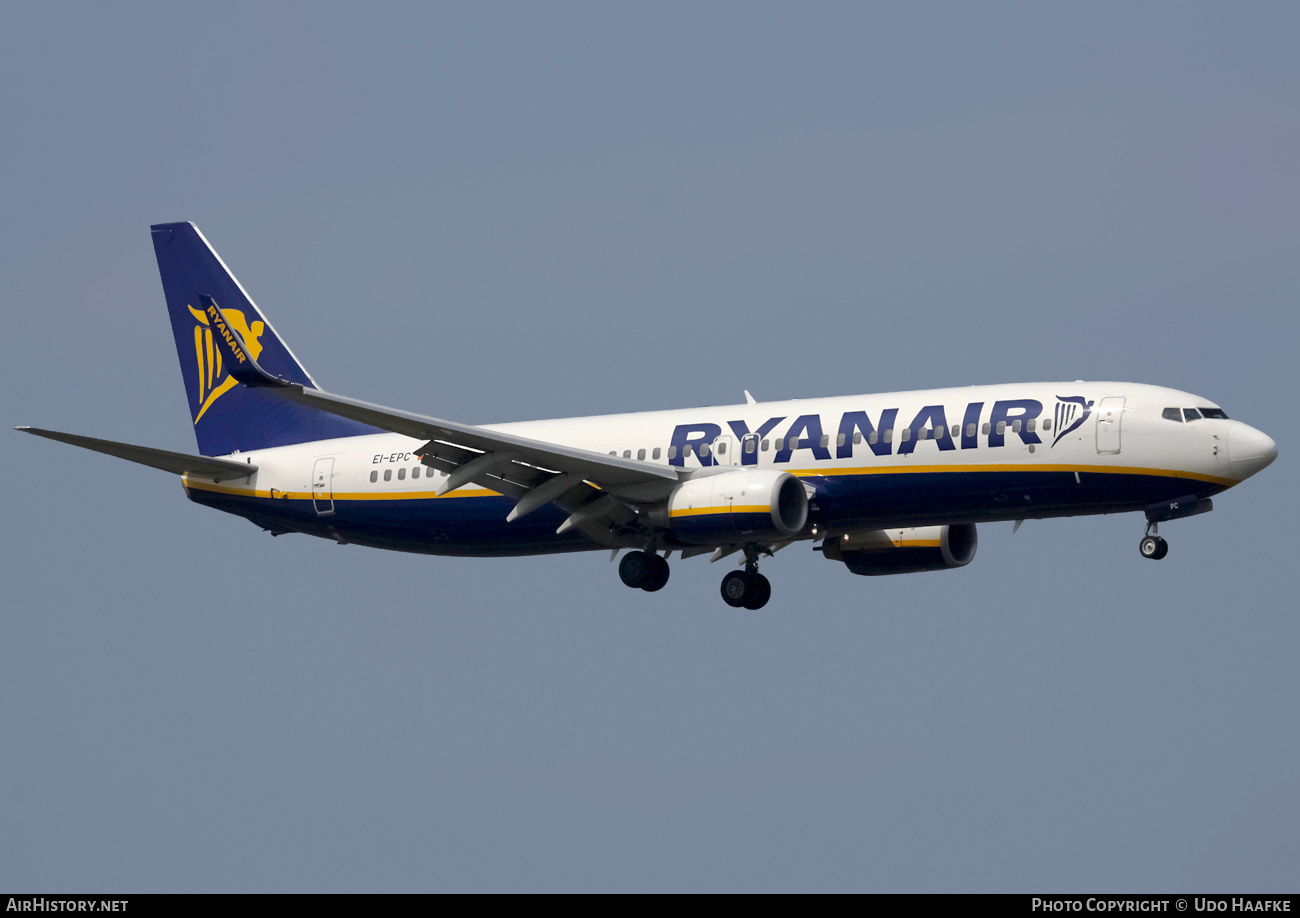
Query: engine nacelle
[
  {"x": 744, "y": 505},
  {"x": 904, "y": 551}
]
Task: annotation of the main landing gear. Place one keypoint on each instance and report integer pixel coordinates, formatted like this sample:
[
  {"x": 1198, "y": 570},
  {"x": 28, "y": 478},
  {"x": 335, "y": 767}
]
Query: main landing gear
[
  {"x": 748, "y": 588},
  {"x": 643, "y": 570},
  {"x": 1152, "y": 546}
]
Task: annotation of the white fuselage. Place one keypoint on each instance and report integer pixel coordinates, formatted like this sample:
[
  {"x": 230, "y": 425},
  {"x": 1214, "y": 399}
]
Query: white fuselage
[{"x": 892, "y": 459}]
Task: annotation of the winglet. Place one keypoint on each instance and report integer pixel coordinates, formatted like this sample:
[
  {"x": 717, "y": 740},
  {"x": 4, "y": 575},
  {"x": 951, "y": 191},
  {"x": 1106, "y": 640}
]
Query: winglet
[
  {"x": 242, "y": 366},
  {"x": 749, "y": 398}
]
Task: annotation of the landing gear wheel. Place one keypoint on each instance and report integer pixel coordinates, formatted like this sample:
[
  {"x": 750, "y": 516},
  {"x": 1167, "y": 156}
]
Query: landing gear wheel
[
  {"x": 736, "y": 588},
  {"x": 658, "y": 575},
  {"x": 636, "y": 569},
  {"x": 760, "y": 592},
  {"x": 1153, "y": 547}
]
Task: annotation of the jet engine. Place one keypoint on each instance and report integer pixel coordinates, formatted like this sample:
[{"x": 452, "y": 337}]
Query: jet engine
[
  {"x": 903, "y": 551},
  {"x": 744, "y": 505}
]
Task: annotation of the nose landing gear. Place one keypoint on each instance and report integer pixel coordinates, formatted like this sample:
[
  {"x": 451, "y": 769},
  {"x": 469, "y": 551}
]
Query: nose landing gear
[{"x": 1152, "y": 546}]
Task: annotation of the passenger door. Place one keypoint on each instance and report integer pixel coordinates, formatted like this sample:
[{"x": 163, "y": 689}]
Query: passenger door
[
  {"x": 1110, "y": 417},
  {"x": 322, "y": 486}
]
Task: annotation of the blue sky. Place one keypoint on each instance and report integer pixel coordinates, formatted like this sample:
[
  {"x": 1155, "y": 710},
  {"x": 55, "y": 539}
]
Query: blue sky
[{"x": 502, "y": 212}]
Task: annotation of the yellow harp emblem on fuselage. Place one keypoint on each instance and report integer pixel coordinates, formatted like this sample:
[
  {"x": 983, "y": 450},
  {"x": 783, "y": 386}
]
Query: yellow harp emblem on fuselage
[{"x": 214, "y": 381}]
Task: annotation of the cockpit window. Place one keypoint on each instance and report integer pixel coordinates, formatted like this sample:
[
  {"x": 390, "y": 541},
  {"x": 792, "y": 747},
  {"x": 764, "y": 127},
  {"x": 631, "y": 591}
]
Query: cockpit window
[
  {"x": 1191, "y": 414},
  {"x": 1172, "y": 414},
  {"x": 1216, "y": 413}
]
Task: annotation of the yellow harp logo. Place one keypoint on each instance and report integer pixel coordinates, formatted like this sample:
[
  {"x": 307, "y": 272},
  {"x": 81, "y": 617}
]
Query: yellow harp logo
[{"x": 214, "y": 381}]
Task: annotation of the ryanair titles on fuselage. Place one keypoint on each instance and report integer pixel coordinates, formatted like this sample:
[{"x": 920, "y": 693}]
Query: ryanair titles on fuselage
[{"x": 882, "y": 436}]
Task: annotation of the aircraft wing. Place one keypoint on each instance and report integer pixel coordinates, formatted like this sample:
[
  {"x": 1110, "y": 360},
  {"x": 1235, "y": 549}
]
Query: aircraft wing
[
  {"x": 609, "y": 472},
  {"x": 598, "y": 491},
  {"x": 177, "y": 463}
]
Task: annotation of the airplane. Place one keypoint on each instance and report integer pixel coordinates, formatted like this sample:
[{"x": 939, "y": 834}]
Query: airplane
[{"x": 884, "y": 484}]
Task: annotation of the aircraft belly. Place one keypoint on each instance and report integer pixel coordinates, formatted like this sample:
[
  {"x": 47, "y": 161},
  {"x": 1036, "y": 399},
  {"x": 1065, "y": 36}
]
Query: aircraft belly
[
  {"x": 473, "y": 526},
  {"x": 476, "y": 524},
  {"x": 918, "y": 498}
]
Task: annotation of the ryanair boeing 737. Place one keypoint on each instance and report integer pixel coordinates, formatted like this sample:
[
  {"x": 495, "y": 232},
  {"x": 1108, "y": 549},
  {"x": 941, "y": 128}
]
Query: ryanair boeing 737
[{"x": 888, "y": 483}]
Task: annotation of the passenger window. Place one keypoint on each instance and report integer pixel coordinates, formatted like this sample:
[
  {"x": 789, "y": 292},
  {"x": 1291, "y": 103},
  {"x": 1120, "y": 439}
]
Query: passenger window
[
  {"x": 889, "y": 435},
  {"x": 749, "y": 445},
  {"x": 985, "y": 430},
  {"x": 906, "y": 434},
  {"x": 374, "y": 476},
  {"x": 857, "y": 437},
  {"x": 1015, "y": 426},
  {"x": 613, "y": 452},
  {"x": 871, "y": 438},
  {"x": 415, "y": 472},
  {"x": 686, "y": 450},
  {"x": 1031, "y": 424},
  {"x": 970, "y": 430},
  {"x": 794, "y": 443},
  {"x": 764, "y": 445},
  {"x": 1191, "y": 414},
  {"x": 1047, "y": 423},
  {"x": 627, "y": 454},
  {"x": 1172, "y": 414},
  {"x": 640, "y": 454},
  {"x": 672, "y": 452},
  {"x": 1002, "y": 428},
  {"x": 839, "y": 441},
  {"x": 401, "y": 474},
  {"x": 655, "y": 454},
  {"x": 704, "y": 449},
  {"x": 722, "y": 447},
  {"x": 388, "y": 474},
  {"x": 826, "y": 440},
  {"x": 956, "y": 431}
]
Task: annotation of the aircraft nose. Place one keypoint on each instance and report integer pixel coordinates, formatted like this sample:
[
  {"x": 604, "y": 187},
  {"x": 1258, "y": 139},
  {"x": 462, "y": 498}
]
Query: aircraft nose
[{"x": 1249, "y": 450}]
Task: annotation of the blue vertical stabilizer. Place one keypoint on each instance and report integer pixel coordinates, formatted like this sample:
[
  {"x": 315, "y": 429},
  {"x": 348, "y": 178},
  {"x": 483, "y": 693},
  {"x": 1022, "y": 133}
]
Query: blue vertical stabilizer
[{"x": 228, "y": 416}]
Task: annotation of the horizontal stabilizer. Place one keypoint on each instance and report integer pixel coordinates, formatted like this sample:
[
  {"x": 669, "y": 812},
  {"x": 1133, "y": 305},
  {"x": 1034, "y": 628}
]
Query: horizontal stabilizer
[{"x": 177, "y": 463}]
